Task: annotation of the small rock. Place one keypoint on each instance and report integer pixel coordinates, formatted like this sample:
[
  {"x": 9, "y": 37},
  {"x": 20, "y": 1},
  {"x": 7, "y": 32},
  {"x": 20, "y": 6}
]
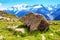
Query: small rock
[
  {"x": 12, "y": 27},
  {"x": 51, "y": 34},
  {"x": 8, "y": 19},
  {"x": 20, "y": 30},
  {"x": 43, "y": 37},
  {"x": 4, "y": 18},
  {"x": 58, "y": 30},
  {"x": 18, "y": 36},
  {"x": 1, "y": 18},
  {"x": 1, "y": 37}
]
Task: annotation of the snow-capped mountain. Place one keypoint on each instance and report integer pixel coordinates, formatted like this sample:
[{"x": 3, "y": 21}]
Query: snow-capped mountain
[{"x": 51, "y": 12}]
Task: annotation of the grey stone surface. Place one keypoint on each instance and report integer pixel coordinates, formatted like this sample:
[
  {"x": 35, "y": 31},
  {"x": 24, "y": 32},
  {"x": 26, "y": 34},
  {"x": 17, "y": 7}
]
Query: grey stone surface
[{"x": 35, "y": 21}]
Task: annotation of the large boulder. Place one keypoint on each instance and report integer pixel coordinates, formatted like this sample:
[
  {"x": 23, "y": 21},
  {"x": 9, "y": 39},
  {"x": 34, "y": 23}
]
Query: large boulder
[{"x": 35, "y": 21}]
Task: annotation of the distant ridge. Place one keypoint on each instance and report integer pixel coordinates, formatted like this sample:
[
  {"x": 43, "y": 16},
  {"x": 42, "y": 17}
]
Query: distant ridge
[
  {"x": 49, "y": 11},
  {"x": 5, "y": 14}
]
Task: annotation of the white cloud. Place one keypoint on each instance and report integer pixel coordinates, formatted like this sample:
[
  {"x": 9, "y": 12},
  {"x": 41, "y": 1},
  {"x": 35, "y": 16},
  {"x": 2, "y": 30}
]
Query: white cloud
[
  {"x": 21, "y": 6},
  {"x": 3, "y": 9},
  {"x": 39, "y": 6},
  {"x": 49, "y": 8},
  {"x": 10, "y": 8}
]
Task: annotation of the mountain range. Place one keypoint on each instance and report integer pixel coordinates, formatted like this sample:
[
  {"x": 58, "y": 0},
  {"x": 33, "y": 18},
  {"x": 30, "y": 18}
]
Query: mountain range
[{"x": 51, "y": 12}]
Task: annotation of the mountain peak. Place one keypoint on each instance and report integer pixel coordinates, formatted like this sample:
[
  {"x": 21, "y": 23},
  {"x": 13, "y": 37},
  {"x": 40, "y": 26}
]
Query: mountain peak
[{"x": 22, "y": 9}]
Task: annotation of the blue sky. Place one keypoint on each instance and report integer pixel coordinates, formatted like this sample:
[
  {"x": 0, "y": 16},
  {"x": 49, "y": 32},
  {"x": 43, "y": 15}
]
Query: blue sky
[{"x": 9, "y": 3}]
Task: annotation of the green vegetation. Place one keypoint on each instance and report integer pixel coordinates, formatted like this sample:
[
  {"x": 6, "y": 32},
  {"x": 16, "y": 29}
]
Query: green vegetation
[
  {"x": 9, "y": 15},
  {"x": 52, "y": 34},
  {"x": 11, "y": 35}
]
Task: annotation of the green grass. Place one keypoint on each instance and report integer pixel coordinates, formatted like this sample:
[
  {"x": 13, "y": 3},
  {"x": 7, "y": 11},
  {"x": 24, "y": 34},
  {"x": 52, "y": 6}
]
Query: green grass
[
  {"x": 10, "y": 35},
  {"x": 9, "y": 15},
  {"x": 36, "y": 35}
]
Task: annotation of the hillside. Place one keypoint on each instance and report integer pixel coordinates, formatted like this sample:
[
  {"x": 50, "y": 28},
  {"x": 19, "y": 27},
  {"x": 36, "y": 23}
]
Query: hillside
[
  {"x": 5, "y": 14},
  {"x": 52, "y": 34}
]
